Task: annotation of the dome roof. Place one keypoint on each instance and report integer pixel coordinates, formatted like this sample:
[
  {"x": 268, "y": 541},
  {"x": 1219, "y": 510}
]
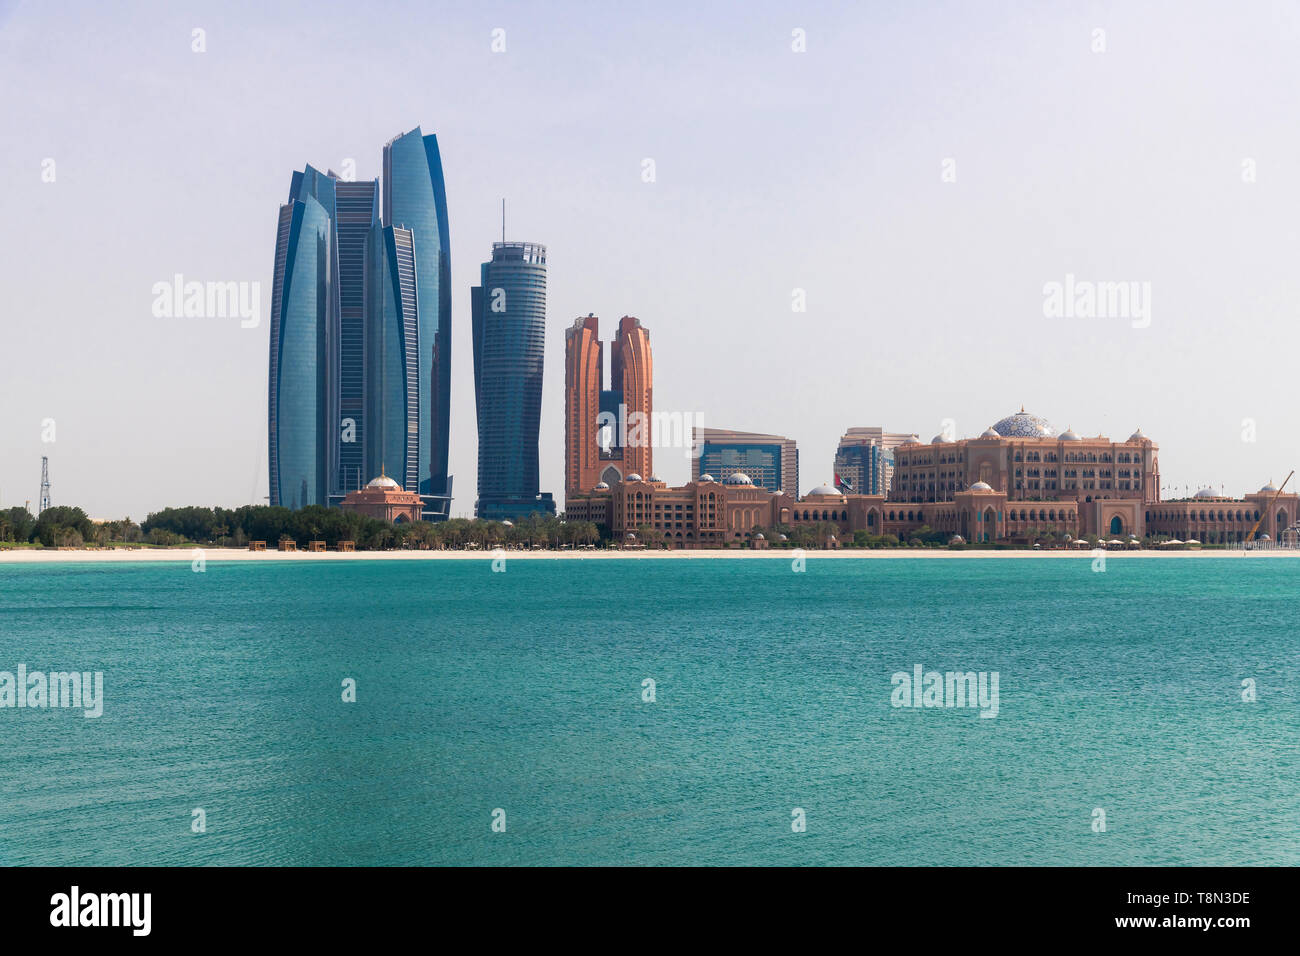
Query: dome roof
[
  {"x": 781, "y": 537},
  {"x": 989, "y": 433},
  {"x": 707, "y": 477},
  {"x": 1268, "y": 487},
  {"x": 1024, "y": 425},
  {"x": 1069, "y": 435},
  {"x": 981, "y": 486},
  {"x": 758, "y": 536},
  {"x": 634, "y": 477},
  {"x": 1138, "y": 436},
  {"x": 602, "y": 486},
  {"x": 939, "y": 440},
  {"x": 654, "y": 478},
  {"x": 1205, "y": 493},
  {"x": 739, "y": 478},
  {"x": 822, "y": 491},
  {"x": 383, "y": 481}
]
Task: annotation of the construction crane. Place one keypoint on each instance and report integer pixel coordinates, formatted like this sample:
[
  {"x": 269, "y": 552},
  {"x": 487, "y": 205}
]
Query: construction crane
[
  {"x": 45, "y": 484},
  {"x": 1250, "y": 537}
]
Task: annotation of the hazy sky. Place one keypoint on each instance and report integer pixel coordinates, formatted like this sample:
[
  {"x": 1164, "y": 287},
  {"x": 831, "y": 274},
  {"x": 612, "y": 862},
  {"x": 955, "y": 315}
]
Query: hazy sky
[{"x": 775, "y": 170}]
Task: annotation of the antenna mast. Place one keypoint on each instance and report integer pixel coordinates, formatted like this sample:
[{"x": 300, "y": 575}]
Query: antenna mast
[{"x": 45, "y": 484}]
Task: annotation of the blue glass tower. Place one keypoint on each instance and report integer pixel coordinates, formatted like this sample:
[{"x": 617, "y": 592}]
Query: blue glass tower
[
  {"x": 361, "y": 333},
  {"x": 356, "y": 215},
  {"x": 298, "y": 408},
  {"x": 509, "y": 328},
  {"x": 415, "y": 199},
  {"x": 392, "y": 358}
]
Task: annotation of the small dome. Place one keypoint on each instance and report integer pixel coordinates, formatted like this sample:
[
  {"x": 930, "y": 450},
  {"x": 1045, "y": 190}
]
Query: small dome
[
  {"x": 654, "y": 478},
  {"x": 758, "y": 536},
  {"x": 956, "y": 539},
  {"x": 781, "y": 537},
  {"x": 981, "y": 486},
  {"x": 383, "y": 481},
  {"x": 939, "y": 440},
  {"x": 739, "y": 478},
  {"x": 602, "y": 486},
  {"x": 1268, "y": 487},
  {"x": 1138, "y": 436},
  {"x": 1069, "y": 435},
  {"x": 634, "y": 477},
  {"x": 707, "y": 478},
  {"x": 989, "y": 433},
  {"x": 822, "y": 491},
  {"x": 1205, "y": 493}
]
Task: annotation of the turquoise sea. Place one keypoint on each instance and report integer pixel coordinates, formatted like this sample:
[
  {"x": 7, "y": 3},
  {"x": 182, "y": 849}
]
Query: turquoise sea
[{"x": 523, "y": 691}]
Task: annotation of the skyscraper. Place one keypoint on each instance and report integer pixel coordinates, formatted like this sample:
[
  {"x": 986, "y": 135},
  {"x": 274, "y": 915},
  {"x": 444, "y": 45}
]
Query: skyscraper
[
  {"x": 299, "y": 423},
  {"x": 356, "y": 215},
  {"x": 607, "y": 431},
  {"x": 361, "y": 333},
  {"x": 392, "y": 349},
  {"x": 415, "y": 199},
  {"x": 509, "y": 329}
]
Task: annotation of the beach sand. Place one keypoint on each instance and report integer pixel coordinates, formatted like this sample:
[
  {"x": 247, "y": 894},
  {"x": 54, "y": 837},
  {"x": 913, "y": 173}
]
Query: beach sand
[{"x": 121, "y": 555}]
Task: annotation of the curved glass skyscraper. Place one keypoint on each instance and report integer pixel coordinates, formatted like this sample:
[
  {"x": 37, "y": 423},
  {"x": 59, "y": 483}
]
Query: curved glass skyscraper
[
  {"x": 299, "y": 420},
  {"x": 415, "y": 199},
  {"x": 509, "y": 313},
  {"x": 361, "y": 333}
]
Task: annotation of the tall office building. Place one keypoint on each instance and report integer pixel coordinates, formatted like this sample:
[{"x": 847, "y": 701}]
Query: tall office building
[
  {"x": 361, "y": 333},
  {"x": 509, "y": 329},
  {"x": 770, "y": 461},
  {"x": 300, "y": 432},
  {"x": 415, "y": 199},
  {"x": 607, "y": 431},
  {"x": 392, "y": 358},
  {"x": 356, "y": 216},
  {"x": 864, "y": 460}
]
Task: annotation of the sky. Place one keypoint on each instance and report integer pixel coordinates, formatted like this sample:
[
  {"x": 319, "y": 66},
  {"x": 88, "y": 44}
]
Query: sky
[{"x": 916, "y": 174}]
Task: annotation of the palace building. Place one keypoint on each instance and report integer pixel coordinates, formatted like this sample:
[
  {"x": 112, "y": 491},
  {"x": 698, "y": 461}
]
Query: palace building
[{"x": 1018, "y": 481}]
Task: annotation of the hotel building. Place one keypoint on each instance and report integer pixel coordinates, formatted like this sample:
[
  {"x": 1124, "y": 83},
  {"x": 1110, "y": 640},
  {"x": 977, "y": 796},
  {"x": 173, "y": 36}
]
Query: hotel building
[
  {"x": 607, "y": 431},
  {"x": 1018, "y": 481}
]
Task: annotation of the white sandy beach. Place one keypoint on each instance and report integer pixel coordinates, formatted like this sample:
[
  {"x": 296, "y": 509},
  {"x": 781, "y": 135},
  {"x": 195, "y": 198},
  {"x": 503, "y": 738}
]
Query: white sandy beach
[{"x": 123, "y": 555}]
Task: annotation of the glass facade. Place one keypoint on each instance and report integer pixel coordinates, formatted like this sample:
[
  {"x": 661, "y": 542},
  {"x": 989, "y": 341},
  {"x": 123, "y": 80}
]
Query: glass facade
[
  {"x": 761, "y": 462},
  {"x": 509, "y": 329},
  {"x": 415, "y": 199},
  {"x": 392, "y": 358},
  {"x": 380, "y": 293},
  {"x": 299, "y": 424},
  {"x": 357, "y": 213}
]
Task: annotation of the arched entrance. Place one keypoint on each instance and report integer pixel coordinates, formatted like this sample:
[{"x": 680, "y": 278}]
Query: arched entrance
[
  {"x": 1116, "y": 525},
  {"x": 989, "y": 531},
  {"x": 611, "y": 476}
]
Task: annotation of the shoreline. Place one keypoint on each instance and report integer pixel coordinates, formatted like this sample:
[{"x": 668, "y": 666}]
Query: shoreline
[{"x": 148, "y": 555}]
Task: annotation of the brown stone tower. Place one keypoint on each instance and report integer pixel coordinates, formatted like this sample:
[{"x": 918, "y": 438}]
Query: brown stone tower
[{"x": 626, "y": 407}]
